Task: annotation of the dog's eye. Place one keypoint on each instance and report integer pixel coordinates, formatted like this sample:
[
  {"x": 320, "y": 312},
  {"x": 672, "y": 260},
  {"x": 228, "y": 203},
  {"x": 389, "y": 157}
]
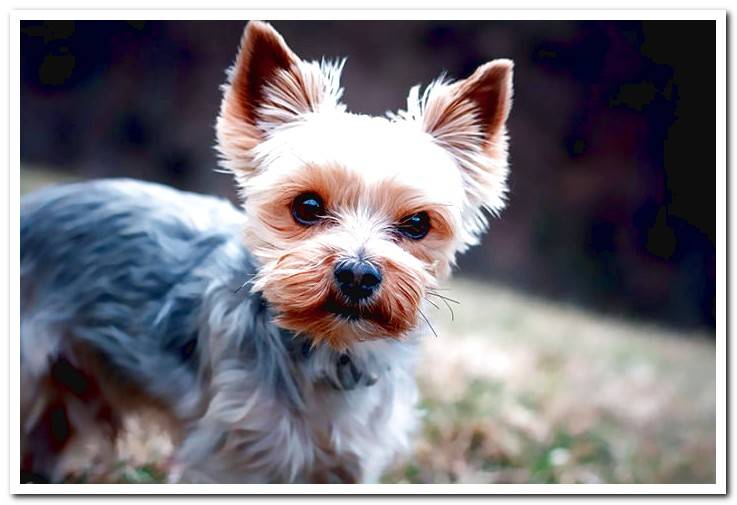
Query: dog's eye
[
  {"x": 307, "y": 209},
  {"x": 415, "y": 226}
]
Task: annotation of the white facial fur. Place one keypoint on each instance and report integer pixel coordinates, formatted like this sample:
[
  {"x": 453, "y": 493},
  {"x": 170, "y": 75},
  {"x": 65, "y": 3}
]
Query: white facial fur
[
  {"x": 376, "y": 148},
  {"x": 280, "y": 112}
]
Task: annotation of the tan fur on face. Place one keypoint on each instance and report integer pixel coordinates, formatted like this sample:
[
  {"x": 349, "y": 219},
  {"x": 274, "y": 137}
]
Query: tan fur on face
[
  {"x": 342, "y": 192},
  {"x": 297, "y": 275},
  {"x": 299, "y": 286}
]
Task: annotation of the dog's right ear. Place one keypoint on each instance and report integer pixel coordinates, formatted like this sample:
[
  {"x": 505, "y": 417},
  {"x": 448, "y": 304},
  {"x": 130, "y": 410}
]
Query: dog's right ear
[{"x": 268, "y": 87}]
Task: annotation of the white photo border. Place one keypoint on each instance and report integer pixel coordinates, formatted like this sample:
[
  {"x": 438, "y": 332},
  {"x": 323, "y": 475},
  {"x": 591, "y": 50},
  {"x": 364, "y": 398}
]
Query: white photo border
[{"x": 13, "y": 258}]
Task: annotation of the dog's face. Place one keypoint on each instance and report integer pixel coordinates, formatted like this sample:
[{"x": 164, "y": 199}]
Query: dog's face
[{"x": 355, "y": 218}]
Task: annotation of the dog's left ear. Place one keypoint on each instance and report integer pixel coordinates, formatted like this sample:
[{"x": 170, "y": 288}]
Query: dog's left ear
[
  {"x": 268, "y": 86},
  {"x": 468, "y": 118}
]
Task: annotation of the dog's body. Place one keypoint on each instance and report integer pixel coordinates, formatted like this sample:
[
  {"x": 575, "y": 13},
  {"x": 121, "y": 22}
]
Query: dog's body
[
  {"x": 284, "y": 355},
  {"x": 135, "y": 299}
]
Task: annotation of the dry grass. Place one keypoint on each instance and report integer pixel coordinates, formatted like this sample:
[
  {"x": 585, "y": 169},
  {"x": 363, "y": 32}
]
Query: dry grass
[
  {"x": 517, "y": 389},
  {"x": 521, "y": 390}
]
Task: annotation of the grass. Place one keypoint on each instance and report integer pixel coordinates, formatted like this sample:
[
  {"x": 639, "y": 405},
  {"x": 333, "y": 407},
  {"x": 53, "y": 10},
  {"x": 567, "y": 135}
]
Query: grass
[
  {"x": 522, "y": 390},
  {"x": 517, "y": 389}
]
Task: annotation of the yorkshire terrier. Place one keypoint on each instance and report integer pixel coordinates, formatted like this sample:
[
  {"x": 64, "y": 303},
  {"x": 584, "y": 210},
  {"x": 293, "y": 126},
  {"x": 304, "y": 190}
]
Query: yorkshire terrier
[{"x": 278, "y": 340}]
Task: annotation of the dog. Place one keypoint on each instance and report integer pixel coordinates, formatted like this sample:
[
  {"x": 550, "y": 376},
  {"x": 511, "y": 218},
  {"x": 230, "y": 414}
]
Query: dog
[{"x": 277, "y": 340}]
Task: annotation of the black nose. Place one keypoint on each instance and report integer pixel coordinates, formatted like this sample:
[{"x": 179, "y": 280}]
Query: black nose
[{"x": 357, "y": 279}]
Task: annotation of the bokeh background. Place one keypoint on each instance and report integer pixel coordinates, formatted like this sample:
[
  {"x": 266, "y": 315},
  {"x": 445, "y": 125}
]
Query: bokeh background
[{"x": 582, "y": 348}]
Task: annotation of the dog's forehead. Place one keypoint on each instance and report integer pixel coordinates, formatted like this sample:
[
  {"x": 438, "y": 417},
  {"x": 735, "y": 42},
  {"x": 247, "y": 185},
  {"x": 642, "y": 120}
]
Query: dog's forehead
[{"x": 375, "y": 148}]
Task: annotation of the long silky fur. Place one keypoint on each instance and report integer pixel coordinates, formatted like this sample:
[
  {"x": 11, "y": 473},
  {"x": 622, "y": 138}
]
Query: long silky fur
[{"x": 137, "y": 272}]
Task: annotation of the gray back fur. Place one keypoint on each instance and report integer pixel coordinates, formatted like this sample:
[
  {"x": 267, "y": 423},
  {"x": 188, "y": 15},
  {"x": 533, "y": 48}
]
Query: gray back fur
[{"x": 133, "y": 268}]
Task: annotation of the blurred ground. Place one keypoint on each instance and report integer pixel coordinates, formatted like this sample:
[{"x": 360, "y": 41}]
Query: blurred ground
[
  {"x": 523, "y": 390},
  {"x": 518, "y": 389}
]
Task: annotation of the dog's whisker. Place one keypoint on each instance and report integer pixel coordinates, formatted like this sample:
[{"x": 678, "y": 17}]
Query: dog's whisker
[
  {"x": 432, "y": 303},
  {"x": 450, "y": 309},
  {"x": 428, "y": 323},
  {"x": 435, "y": 288},
  {"x": 442, "y": 297}
]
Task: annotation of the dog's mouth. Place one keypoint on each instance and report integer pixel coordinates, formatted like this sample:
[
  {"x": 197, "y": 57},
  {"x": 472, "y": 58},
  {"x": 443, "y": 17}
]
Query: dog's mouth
[
  {"x": 338, "y": 320},
  {"x": 350, "y": 312}
]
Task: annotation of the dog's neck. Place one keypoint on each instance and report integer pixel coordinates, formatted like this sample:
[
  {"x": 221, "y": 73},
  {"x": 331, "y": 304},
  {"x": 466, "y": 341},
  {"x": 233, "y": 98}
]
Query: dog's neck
[{"x": 361, "y": 366}]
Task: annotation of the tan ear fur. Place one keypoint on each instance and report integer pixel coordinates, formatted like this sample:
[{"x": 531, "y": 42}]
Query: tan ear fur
[
  {"x": 268, "y": 86},
  {"x": 263, "y": 53},
  {"x": 468, "y": 119}
]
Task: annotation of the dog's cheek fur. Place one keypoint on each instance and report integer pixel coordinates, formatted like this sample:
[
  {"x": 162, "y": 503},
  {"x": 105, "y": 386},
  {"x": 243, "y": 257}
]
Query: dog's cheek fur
[
  {"x": 407, "y": 287},
  {"x": 299, "y": 284}
]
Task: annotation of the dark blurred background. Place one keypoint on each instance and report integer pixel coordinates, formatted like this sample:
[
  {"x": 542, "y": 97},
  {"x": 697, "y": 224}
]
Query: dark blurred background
[{"x": 612, "y": 134}]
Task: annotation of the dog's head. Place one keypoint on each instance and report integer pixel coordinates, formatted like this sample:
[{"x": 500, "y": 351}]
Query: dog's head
[{"x": 355, "y": 218}]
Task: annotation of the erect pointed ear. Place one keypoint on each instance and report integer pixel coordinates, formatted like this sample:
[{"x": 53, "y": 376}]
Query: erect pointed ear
[
  {"x": 268, "y": 86},
  {"x": 489, "y": 89},
  {"x": 468, "y": 119}
]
